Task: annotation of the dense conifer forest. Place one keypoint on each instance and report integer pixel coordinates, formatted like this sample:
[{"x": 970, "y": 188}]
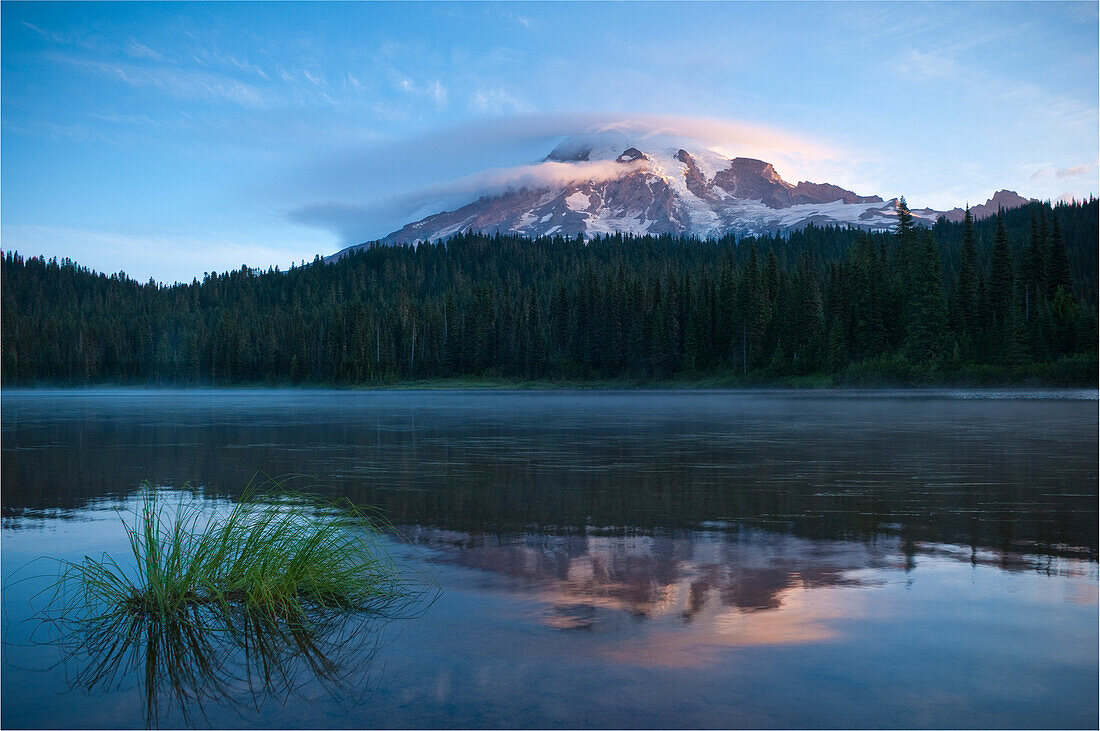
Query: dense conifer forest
[{"x": 1007, "y": 300}]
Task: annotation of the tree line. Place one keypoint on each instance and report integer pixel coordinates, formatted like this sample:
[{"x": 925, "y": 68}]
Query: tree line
[{"x": 1008, "y": 299}]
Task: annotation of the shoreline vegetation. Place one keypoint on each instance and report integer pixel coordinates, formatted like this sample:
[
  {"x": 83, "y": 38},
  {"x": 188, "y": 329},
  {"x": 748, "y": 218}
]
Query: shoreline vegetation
[
  {"x": 1070, "y": 372},
  {"x": 1006, "y": 301}
]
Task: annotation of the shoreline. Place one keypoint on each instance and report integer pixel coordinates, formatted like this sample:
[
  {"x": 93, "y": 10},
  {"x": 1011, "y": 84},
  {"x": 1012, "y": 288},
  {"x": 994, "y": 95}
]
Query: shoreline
[{"x": 932, "y": 389}]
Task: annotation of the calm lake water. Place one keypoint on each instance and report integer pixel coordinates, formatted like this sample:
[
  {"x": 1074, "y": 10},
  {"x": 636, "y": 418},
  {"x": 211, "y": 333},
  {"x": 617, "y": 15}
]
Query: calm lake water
[{"x": 603, "y": 559}]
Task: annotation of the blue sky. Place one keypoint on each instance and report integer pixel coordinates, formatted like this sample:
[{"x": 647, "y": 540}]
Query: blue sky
[{"x": 170, "y": 140}]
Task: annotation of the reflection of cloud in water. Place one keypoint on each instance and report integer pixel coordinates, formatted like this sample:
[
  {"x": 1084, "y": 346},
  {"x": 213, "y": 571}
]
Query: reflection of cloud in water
[
  {"x": 1081, "y": 593},
  {"x": 805, "y": 616}
]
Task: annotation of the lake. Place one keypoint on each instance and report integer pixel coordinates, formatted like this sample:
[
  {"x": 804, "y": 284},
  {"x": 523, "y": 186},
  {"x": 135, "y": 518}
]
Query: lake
[{"x": 742, "y": 559}]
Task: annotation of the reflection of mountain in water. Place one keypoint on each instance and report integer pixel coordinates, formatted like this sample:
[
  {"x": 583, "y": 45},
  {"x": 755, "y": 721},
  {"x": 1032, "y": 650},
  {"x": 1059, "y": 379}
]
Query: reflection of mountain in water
[
  {"x": 708, "y": 577},
  {"x": 649, "y": 576}
]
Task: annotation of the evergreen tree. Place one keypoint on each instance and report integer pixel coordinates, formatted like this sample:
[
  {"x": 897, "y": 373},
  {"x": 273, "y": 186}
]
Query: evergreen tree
[
  {"x": 1033, "y": 275},
  {"x": 965, "y": 301},
  {"x": 927, "y": 311},
  {"x": 1058, "y": 274},
  {"x": 751, "y": 311},
  {"x": 837, "y": 358},
  {"x": 1000, "y": 287}
]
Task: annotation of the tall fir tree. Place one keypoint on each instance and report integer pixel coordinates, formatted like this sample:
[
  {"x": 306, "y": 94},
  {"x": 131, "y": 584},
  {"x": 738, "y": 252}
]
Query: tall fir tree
[
  {"x": 1058, "y": 271},
  {"x": 927, "y": 310},
  {"x": 1033, "y": 275},
  {"x": 1000, "y": 287},
  {"x": 965, "y": 300}
]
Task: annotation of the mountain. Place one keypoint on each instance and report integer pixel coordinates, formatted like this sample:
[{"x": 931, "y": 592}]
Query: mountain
[
  {"x": 606, "y": 184},
  {"x": 1005, "y": 199}
]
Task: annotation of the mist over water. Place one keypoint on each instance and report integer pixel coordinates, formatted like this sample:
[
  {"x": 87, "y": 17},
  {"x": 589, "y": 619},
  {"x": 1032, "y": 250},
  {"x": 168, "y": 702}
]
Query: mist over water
[{"x": 627, "y": 559}]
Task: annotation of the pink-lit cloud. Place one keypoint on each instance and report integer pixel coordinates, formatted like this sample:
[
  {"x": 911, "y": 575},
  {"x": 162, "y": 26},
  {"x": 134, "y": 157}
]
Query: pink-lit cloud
[{"x": 1074, "y": 171}]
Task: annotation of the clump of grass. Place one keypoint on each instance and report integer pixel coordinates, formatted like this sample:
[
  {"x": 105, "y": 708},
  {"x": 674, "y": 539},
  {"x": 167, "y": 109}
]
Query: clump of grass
[
  {"x": 231, "y": 603},
  {"x": 278, "y": 558}
]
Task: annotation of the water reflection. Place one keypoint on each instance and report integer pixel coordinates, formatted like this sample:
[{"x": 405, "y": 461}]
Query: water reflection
[
  {"x": 704, "y": 591},
  {"x": 240, "y": 660},
  {"x": 1003, "y": 474}
]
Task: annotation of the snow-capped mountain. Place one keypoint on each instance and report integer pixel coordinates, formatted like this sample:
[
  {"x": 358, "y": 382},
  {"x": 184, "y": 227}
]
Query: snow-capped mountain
[{"x": 603, "y": 185}]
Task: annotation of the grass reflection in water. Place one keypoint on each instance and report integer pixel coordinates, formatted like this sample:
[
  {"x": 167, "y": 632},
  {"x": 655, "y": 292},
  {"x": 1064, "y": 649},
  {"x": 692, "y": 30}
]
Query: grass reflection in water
[{"x": 280, "y": 592}]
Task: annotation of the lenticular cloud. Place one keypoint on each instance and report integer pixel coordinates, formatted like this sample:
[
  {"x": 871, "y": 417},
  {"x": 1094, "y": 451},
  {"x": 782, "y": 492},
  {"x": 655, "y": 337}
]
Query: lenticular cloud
[{"x": 363, "y": 187}]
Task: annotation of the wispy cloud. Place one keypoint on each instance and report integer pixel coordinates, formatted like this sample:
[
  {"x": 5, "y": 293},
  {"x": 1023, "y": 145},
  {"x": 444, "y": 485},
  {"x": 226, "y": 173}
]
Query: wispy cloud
[
  {"x": 140, "y": 50},
  {"x": 176, "y": 82},
  {"x": 523, "y": 20},
  {"x": 497, "y": 101},
  {"x": 434, "y": 90},
  {"x": 437, "y": 92},
  {"x": 62, "y": 39},
  {"x": 1052, "y": 110},
  {"x": 208, "y": 56}
]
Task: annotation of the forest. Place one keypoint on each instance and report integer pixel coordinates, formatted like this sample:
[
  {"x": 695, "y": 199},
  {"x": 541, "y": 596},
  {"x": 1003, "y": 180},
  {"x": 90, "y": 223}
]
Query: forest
[{"x": 1009, "y": 300}]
